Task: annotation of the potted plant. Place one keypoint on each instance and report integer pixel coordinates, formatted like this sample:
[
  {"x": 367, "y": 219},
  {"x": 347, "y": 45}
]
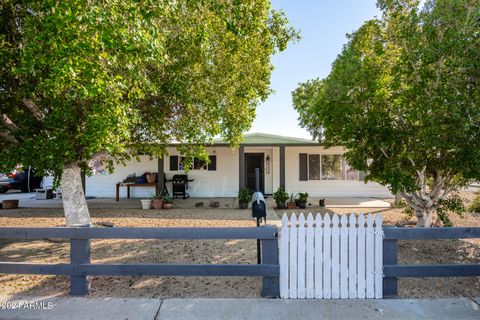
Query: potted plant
[
  {"x": 280, "y": 196},
  {"x": 167, "y": 202},
  {"x": 146, "y": 204},
  {"x": 302, "y": 200},
  {"x": 157, "y": 201},
  {"x": 151, "y": 177},
  {"x": 291, "y": 200},
  {"x": 244, "y": 197}
]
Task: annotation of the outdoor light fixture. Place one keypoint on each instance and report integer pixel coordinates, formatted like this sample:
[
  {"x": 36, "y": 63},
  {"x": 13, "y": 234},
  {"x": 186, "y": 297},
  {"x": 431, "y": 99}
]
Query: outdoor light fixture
[{"x": 267, "y": 162}]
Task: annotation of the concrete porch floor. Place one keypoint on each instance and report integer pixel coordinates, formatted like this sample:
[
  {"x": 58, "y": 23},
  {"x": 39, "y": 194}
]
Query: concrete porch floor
[{"x": 27, "y": 200}]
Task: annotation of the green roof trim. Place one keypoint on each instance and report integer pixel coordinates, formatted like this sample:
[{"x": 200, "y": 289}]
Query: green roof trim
[{"x": 265, "y": 139}]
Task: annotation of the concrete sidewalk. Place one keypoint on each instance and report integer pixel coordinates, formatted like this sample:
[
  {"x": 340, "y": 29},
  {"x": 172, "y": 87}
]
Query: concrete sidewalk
[{"x": 278, "y": 309}]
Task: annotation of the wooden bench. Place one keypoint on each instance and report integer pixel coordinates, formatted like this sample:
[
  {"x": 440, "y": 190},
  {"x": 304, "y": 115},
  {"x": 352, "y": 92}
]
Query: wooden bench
[{"x": 129, "y": 185}]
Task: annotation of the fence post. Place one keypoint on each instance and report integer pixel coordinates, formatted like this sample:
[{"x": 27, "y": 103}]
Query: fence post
[
  {"x": 390, "y": 257},
  {"x": 79, "y": 253},
  {"x": 270, "y": 285}
]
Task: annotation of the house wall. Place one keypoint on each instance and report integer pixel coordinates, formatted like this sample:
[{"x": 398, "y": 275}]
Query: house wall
[
  {"x": 103, "y": 185},
  {"x": 326, "y": 188},
  {"x": 222, "y": 182}
]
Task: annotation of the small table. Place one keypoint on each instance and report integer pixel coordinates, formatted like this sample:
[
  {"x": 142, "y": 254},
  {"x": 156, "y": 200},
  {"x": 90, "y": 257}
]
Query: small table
[{"x": 128, "y": 185}]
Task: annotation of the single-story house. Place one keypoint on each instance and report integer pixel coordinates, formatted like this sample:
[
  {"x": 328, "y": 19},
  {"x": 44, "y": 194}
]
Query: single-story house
[{"x": 297, "y": 165}]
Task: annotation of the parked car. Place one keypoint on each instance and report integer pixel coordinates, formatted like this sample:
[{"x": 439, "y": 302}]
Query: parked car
[
  {"x": 4, "y": 182},
  {"x": 26, "y": 181}
]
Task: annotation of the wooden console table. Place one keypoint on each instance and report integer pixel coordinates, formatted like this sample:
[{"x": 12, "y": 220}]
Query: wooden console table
[{"x": 128, "y": 185}]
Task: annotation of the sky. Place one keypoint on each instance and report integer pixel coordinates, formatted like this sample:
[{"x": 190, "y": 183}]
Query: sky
[{"x": 323, "y": 25}]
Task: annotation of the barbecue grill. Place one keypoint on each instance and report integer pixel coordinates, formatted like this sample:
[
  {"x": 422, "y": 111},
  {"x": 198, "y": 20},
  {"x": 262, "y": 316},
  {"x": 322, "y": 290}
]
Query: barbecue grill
[{"x": 180, "y": 185}]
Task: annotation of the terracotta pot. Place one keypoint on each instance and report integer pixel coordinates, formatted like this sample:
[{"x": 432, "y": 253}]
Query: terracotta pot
[
  {"x": 10, "y": 204},
  {"x": 291, "y": 205},
  {"x": 151, "y": 177},
  {"x": 158, "y": 204},
  {"x": 167, "y": 206}
]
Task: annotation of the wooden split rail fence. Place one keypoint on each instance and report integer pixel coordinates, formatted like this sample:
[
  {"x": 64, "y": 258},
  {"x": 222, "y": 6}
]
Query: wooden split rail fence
[
  {"x": 318, "y": 257},
  {"x": 80, "y": 266}
]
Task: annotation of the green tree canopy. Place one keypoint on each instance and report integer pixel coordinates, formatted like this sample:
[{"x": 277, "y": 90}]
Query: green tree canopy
[
  {"x": 403, "y": 98},
  {"x": 85, "y": 79}
]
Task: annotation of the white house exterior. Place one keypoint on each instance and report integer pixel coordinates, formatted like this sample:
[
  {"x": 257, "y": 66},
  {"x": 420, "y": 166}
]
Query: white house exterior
[{"x": 297, "y": 165}]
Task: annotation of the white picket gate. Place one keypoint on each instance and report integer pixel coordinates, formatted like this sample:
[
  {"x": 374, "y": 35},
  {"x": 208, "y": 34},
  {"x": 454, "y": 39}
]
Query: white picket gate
[{"x": 331, "y": 258}]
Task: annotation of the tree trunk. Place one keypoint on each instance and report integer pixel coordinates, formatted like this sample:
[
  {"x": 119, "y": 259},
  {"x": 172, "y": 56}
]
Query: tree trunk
[
  {"x": 424, "y": 218},
  {"x": 73, "y": 198},
  {"x": 398, "y": 199}
]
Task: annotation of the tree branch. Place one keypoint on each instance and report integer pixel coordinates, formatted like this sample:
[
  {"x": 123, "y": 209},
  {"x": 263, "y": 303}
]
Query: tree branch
[
  {"x": 6, "y": 136},
  {"x": 32, "y": 107},
  {"x": 7, "y": 122}
]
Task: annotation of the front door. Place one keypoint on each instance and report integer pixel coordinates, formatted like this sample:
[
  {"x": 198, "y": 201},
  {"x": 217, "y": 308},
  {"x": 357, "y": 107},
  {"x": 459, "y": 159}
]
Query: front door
[{"x": 252, "y": 161}]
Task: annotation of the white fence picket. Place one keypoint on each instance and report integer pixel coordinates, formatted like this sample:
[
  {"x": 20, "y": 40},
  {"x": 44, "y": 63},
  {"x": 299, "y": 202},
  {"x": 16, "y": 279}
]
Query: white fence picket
[
  {"x": 309, "y": 265},
  {"x": 284, "y": 250},
  {"x": 335, "y": 258},
  {"x": 370, "y": 258},
  {"x": 361, "y": 257},
  {"x": 327, "y": 258},
  {"x": 378, "y": 257},
  {"x": 301, "y": 257},
  {"x": 352, "y": 257},
  {"x": 318, "y": 256},
  {"x": 344, "y": 258},
  {"x": 338, "y": 257},
  {"x": 293, "y": 257}
]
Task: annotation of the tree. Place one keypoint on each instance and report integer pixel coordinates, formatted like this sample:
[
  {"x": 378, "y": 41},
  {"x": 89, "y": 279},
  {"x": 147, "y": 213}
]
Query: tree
[
  {"x": 403, "y": 98},
  {"x": 83, "y": 80}
]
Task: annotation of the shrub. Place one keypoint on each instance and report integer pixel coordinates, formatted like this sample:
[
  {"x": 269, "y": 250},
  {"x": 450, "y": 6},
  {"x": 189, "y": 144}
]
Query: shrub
[
  {"x": 475, "y": 205},
  {"x": 280, "y": 196},
  {"x": 303, "y": 197},
  {"x": 244, "y": 195}
]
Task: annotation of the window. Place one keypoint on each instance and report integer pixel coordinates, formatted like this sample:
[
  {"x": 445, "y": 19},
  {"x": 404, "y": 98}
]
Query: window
[
  {"x": 199, "y": 164},
  {"x": 325, "y": 167},
  {"x": 332, "y": 167},
  {"x": 177, "y": 164},
  {"x": 313, "y": 167}
]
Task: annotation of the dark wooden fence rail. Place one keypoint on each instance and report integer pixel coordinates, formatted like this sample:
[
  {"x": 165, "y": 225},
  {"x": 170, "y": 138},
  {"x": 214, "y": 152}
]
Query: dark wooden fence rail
[
  {"x": 80, "y": 266},
  {"x": 392, "y": 270}
]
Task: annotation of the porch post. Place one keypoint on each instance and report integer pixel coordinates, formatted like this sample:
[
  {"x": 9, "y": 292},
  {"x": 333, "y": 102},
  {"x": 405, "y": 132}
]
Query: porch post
[
  {"x": 241, "y": 166},
  {"x": 282, "y": 167},
  {"x": 160, "y": 176}
]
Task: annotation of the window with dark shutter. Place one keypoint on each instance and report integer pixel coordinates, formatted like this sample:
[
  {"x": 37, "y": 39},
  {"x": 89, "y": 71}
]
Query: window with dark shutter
[
  {"x": 313, "y": 167},
  {"x": 303, "y": 167},
  {"x": 212, "y": 166},
  {"x": 173, "y": 163}
]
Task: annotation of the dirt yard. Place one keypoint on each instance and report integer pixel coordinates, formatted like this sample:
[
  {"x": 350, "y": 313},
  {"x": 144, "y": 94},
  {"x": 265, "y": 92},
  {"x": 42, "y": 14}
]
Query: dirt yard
[
  {"x": 135, "y": 251},
  {"x": 206, "y": 251}
]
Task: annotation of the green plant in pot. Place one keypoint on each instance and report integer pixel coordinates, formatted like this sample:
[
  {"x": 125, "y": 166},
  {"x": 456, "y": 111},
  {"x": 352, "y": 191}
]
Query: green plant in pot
[
  {"x": 157, "y": 200},
  {"x": 280, "y": 196},
  {"x": 167, "y": 202},
  {"x": 291, "y": 204},
  {"x": 244, "y": 197},
  {"x": 302, "y": 200}
]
